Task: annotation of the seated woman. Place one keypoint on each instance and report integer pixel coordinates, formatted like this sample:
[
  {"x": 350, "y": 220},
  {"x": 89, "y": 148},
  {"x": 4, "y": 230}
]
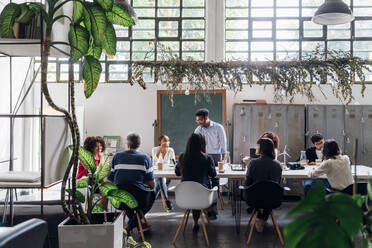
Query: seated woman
[
  {"x": 335, "y": 166},
  {"x": 275, "y": 138},
  {"x": 163, "y": 154},
  {"x": 195, "y": 165},
  {"x": 264, "y": 168},
  {"x": 95, "y": 145}
]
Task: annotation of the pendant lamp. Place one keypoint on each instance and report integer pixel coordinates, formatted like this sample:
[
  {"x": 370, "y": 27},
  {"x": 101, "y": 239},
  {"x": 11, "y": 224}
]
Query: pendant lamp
[{"x": 333, "y": 12}]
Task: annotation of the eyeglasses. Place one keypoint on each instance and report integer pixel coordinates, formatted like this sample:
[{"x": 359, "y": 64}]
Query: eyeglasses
[{"x": 319, "y": 143}]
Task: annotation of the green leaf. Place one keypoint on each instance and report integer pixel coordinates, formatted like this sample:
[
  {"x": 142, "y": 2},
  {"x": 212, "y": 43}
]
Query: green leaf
[
  {"x": 87, "y": 158},
  {"x": 105, "y": 4},
  {"x": 359, "y": 199},
  {"x": 97, "y": 208},
  {"x": 131, "y": 241},
  {"x": 143, "y": 245},
  {"x": 119, "y": 16},
  {"x": 109, "y": 41},
  {"x": 78, "y": 195},
  {"x": 7, "y": 17},
  {"x": 78, "y": 37},
  {"x": 314, "y": 198},
  {"x": 91, "y": 72},
  {"x": 369, "y": 189},
  {"x": 97, "y": 22},
  {"x": 297, "y": 229},
  {"x": 106, "y": 187},
  {"x": 35, "y": 7},
  {"x": 77, "y": 15},
  {"x": 95, "y": 51},
  {"x": 104, "y": 169},
  {"x": 82, "y": 183},
  {"x": 26, "y": 14},
  {"x": 122, "y": 196}
]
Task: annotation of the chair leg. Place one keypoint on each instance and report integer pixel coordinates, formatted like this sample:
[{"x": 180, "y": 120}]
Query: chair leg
[
  {"x": 179, "y": 228},
  {"x": 209, "y": 222},
  {"x": 252, "y": 227},
  {"x": 140, "y": 227},
  {"x": 220, "y": 199},
  {"x": 163, "y": 201},
  {"x": 277, "y": 228},
  {"x": 250, "y": 220},
  {"x": 204, "y": 229},
  {"x": 125, "y": 214},
  {"x": 187, "y": 218},
  {"x": 144, "y": 218}
]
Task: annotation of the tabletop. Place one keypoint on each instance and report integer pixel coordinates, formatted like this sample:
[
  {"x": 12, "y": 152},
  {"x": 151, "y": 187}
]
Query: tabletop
[{"x": 363, "y": 172}]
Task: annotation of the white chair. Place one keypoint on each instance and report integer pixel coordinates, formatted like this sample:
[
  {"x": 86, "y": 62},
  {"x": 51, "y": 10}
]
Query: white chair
[{"x": 194, "y": 196}]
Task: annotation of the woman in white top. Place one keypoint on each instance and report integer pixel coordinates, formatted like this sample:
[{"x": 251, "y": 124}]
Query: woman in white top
[
  {"x": 163, "y": 154},
  {"x": 335, "y": 166}
]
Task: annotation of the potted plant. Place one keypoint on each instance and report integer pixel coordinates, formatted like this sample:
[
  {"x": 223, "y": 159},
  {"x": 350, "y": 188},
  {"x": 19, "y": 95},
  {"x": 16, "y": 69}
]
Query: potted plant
[{"x": 91, "y": 33}]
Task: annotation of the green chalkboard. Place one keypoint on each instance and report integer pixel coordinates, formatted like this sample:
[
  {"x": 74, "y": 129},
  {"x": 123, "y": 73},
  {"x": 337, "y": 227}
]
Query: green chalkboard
[{"x": 178, "y": 121}]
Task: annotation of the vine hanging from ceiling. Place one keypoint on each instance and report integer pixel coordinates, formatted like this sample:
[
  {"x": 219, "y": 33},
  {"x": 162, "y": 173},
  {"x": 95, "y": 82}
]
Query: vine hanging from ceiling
[{"x": 289, "y": 78}]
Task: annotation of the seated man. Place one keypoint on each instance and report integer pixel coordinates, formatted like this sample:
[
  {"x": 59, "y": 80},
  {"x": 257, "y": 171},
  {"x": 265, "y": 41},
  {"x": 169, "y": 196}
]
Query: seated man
[
  {"x": 132, "y": 172},
  {"x": 313, "y": 153}
]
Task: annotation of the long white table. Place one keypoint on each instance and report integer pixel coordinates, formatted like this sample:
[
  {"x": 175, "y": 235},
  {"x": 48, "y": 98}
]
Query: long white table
[{"x": 363, "y": 173}]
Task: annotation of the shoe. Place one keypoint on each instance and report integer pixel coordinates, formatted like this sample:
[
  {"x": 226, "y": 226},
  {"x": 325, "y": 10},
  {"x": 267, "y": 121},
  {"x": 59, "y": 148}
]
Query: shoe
[
  {"x": 212, "y": 215},
  {"x": 259, "y": 226},
  {"x": 169, "y": 205},
  {"x": 195, "y": 227}
]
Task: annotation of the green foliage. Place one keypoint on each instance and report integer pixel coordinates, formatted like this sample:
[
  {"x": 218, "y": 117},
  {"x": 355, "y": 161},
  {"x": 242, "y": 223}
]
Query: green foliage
[
  {"x": 78, "y": 37},
  {"x": 97, "y": 208},
  {"x": 78, "y": 11},
  {"x": 26, "y": 14},
  {"x": 104, "y": 168},
  {"x": 87, "y": 158},
  {"x": 325, "y": 221},
  {"x": 7, "y": 18},
  {"x": 78, "y": 195},
  {"x": 105, "y": 4},
  {"x": 98, "y": 22},
  {"x": 118, "y": 196},
  {"x": 91, "y": 72},
  {"x": 82, "y": 183},
  {"x": 95, "y": 51},
  {"x": 106, "y": 187},
  {"x": 119, "y": 16},
  {"x": 109, "y": 41}
]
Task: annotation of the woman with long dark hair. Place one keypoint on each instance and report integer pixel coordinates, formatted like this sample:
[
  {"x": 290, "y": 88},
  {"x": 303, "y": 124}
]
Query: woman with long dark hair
[
  {"x": 264, "y": 168},
  {"x": 275, "y": 138},
  {"x": 335, "y": 166},
  {"x": 195, "y": 165}
]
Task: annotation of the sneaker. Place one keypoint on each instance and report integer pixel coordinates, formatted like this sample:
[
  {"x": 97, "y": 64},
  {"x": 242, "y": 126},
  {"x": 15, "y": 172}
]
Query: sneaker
[
  {"x": 169, "y": 205},
  {"x": 260, "y": 225}
]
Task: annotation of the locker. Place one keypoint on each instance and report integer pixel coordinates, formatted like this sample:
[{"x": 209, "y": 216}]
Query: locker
[
  {"x": 278, "y": 123},
  {"x": 316, "y": 122},
  {"x": 241, "y": 131},
  {"x": 353, "y": 127},
  {"x": 296, "y": 131},
  {"x": 366, "y": 148},
  {"x": 335, "y": 124},
  {"x": 260, "y": 124}
]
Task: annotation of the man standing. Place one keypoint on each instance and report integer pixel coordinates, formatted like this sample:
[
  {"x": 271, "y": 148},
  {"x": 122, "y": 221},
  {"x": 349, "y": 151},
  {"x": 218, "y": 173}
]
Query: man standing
[
  {"x": 215, "y": 139},
  {"x": 132, "y": 171}
]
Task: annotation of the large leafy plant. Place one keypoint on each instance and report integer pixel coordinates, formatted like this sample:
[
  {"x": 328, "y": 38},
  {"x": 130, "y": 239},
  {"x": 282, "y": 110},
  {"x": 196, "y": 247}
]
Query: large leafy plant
[
  {"x": 94, "y": 181},
  {"x": 325, "y": 220},
  {"x": 91, "y": 34}
]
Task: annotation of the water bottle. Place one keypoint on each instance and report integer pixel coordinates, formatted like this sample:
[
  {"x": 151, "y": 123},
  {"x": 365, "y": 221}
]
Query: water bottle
[
  {"x": 303, "y": 157},
  {"x": 227, "y": 158}
]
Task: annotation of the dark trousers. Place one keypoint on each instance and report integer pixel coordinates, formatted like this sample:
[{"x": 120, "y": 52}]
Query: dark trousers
[
  {"x": 263, "y": 214},
  {"x": 309, "y": 183},
  {"x": 215, "y": 181},
  {"x": 145, "y": 201}
]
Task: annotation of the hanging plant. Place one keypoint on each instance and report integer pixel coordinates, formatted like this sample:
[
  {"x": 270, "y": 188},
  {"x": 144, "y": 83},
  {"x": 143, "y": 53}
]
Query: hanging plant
[{"x": 289, "y": 78}]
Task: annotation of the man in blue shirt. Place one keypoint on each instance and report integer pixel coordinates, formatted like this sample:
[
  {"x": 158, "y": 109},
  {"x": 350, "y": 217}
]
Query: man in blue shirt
[
  {"x": 215, "y": 139},
  {"x": 132, "y": 171}
]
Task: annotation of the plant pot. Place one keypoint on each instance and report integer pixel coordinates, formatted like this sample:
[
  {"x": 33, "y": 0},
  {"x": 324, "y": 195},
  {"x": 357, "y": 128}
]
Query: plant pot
[{"x": 107, "y": 235}]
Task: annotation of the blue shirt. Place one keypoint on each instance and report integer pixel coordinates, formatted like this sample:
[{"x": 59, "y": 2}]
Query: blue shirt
[
  {"x": 131, "y": 167},
  {"x": 215, "y": 138}
]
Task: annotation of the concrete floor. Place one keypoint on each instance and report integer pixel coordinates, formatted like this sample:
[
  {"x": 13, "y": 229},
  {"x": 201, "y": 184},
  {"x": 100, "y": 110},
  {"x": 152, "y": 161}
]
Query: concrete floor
[{"x": 164, "y": 226}]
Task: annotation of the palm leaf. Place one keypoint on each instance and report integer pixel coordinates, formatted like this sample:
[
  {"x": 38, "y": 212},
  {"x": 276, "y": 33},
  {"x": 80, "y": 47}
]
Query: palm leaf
[
  {"x": 91, "y": 72},
  {"x": 97, "y": 22},
  {"x": 82, "y": 183},
  {"x": 95, "y": 51},
  {"x": 77, "y": 15},
  {"x": 78, "y": 195},
  {"x": 78, "y": 37},
  {"x": 109, "y": 41},
  {"x": 106, "y": 187},
  {"x": 105, "y": 4},
  {"x": 119, "y": 16},
  {"x": 7, "y": 17}
]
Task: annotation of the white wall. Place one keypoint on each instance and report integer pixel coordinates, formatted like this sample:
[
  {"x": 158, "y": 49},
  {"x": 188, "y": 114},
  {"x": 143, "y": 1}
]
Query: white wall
[{"x": 117, "y": 109}]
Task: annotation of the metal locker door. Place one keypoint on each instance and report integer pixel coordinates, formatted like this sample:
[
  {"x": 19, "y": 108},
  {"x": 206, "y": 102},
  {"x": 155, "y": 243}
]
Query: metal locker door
[
  {"x": 296, "y": 131},
  {"x": 260, "y": 114},
  {"x": 241, "y": 131},
  {"x": 335, "y": 124},
  {"x": 366, "y": 141},
  {"x": 353, "y": 115},
  {"x": 316, "y": 121},
  {"x": 277, "y": 122}
]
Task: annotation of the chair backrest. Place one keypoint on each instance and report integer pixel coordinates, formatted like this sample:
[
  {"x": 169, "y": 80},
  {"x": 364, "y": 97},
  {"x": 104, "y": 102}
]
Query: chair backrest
[
  {"x": 31, "y": 233},
  {"x": 264, "y": 194},
  {"x": 193, "y": 195},
  {"x": 361, "y": 189}
]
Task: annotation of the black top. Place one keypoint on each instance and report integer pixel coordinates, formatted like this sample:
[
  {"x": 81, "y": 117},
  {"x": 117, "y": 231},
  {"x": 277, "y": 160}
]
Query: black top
[
  {"x": 262, "y": 169},
  {"x": 200, "y": 172},
  {"x": 311, "y": 154}
]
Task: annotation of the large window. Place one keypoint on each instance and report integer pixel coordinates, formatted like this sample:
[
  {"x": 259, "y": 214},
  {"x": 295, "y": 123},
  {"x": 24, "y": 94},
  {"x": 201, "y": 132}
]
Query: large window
[
  {"x": 175, "y": 24},
  {"x": 259, "y": 30}
]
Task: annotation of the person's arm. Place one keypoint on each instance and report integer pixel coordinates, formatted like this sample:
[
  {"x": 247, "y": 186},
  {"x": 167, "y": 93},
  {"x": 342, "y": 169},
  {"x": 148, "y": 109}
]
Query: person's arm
[
  {"x": 155, "y": 154},
  {"x": 249, "y": 175},
  {"x": 177, "y": 170},
  {"x": 197, "y": 129},
  {"x": 222, "y": 139},
  {"x": 321, "y": 170},
  {"x": 149, "y": 177}
]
